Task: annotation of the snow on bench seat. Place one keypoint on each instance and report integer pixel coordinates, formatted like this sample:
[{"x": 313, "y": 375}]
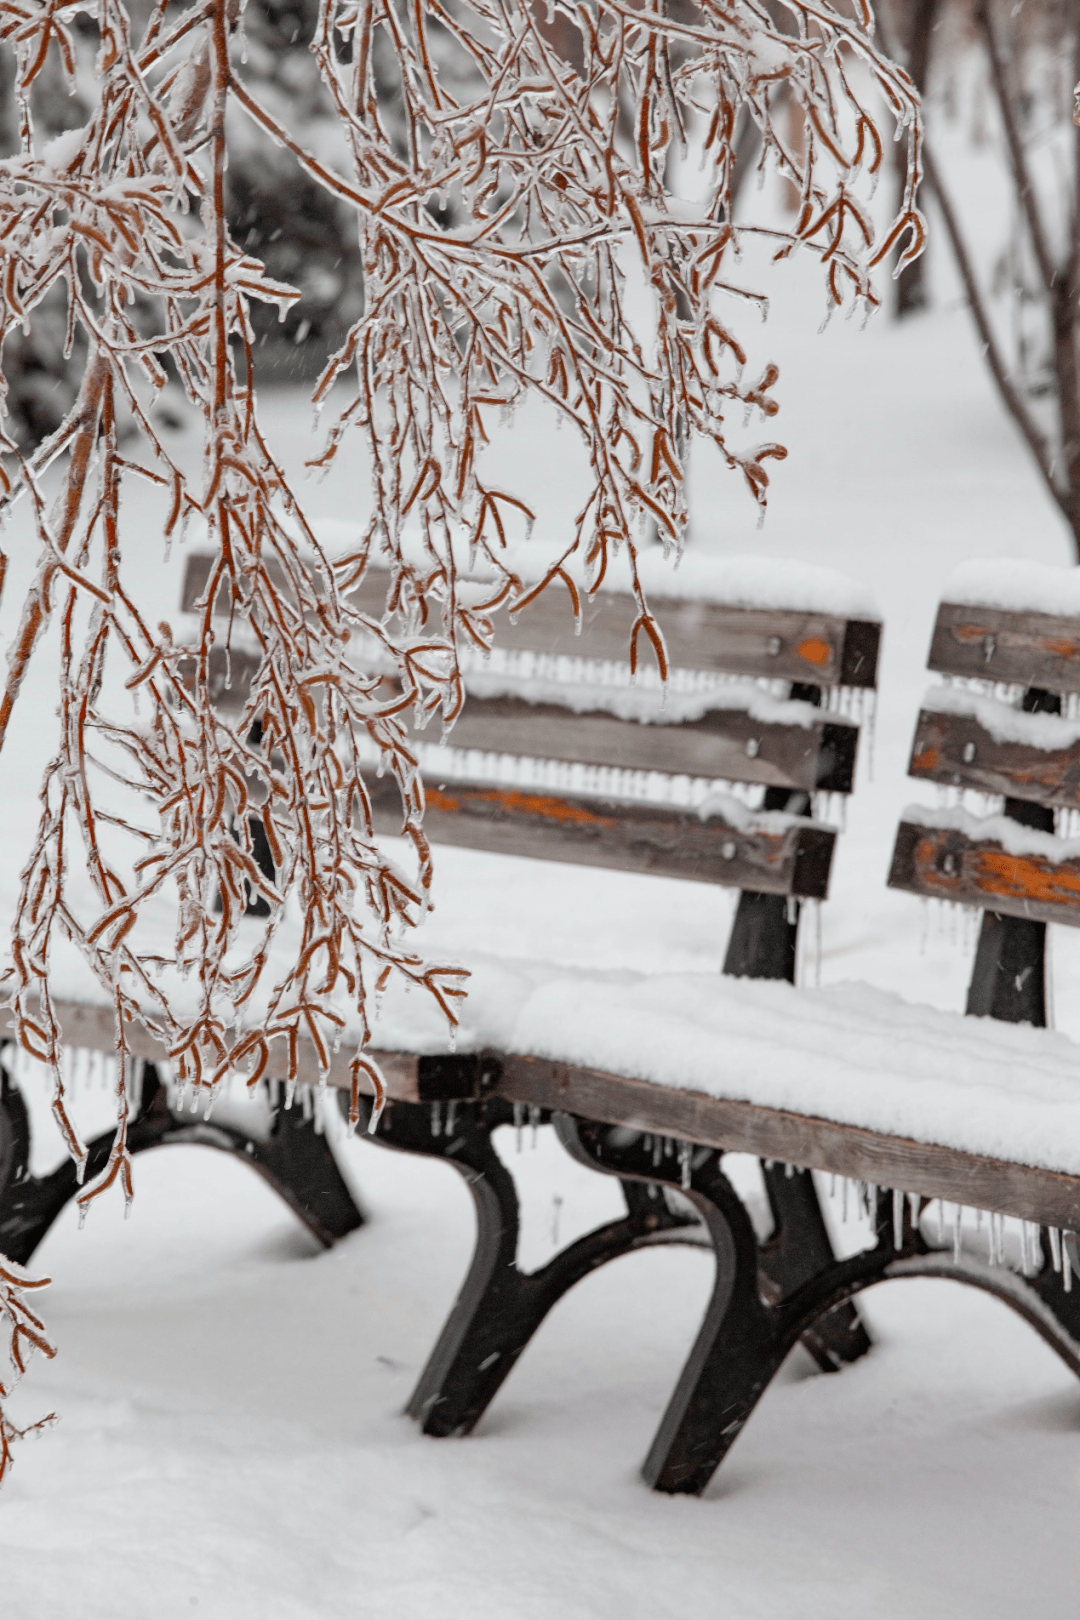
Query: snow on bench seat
[{"x": 818, "y": 1077}]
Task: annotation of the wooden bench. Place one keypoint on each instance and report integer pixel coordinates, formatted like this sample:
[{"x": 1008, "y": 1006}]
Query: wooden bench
[
  {"x": 661, "y": 1121},
  {"x": 792, "y": 1287}
]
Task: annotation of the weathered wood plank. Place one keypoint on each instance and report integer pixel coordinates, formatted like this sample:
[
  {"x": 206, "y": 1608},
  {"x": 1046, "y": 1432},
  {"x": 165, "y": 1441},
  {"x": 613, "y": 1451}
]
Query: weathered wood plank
[
  {"x": 623, "y": 834},
  {"x": 1023, "y": 649},
  {"x": 725, "y": 743},
  {"x": 945, "y": 864},
  {"x": 1026, "y": 1191},
  {"x": 956, "y": 749},
  {"x": 819, "y": 648}
]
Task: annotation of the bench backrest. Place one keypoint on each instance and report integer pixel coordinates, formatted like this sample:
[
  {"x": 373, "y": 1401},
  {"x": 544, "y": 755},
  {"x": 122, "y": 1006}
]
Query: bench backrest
[
  {"x": 1000, "y": 733},
  {"x": 555, "y": 755}
]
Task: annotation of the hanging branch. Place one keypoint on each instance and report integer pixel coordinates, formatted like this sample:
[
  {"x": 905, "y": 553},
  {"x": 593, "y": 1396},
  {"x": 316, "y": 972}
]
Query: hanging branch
[
  {"x": 508, "y": 171},
  {"x": 22, "y": 1333}
]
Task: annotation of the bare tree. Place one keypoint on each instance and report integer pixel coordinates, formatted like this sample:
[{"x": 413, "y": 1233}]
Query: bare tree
[
  {"x": 1028, "y": 314},
  {"x": 504, "y": 176}
]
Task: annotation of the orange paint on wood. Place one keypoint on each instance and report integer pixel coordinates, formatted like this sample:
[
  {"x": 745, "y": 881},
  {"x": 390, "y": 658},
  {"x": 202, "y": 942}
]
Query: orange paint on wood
[
  {"x": 1026, "y": 878},
  {"x": 815, "y": 651},
  {"x": 532, "y": 804},
  {"x": 546, "y": 805}
]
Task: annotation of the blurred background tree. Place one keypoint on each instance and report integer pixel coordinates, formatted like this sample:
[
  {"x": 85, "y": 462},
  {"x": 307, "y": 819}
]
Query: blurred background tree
[{"x": 1002, "y": 162}]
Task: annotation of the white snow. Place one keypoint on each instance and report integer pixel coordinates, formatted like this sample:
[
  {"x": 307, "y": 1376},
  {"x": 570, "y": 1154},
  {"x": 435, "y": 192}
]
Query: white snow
[
  {"x": 1014, "y": 838},
  {"x": 749, "y": 581},
  {"x": 231, "y": 1441},
  {"x": 647, "y": 704},
  {"x": 1017, "y": 585},
  {"x": 848, "y": 1052},
  {"x": 1004, "y": 722}
]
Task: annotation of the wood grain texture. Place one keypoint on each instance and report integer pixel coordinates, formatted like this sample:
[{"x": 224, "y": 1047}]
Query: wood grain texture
[
  {"x": 625, "y": 835},
  {"x": 725, "y": 743},
  {"x": 825, "y": 649},
  {"x": 956, "y": 749},
  {"x": 1023, "y": 649},
  {"x": 944, "y": 864}
]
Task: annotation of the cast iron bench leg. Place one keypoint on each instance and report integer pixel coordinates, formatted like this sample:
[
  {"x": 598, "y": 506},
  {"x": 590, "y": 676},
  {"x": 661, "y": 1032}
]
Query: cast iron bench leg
[
  {"x": 295, "y": 1161},
  {"x": 763, "y": 946},
  {"x": 743, "y": 1340},
  {"x": 500, "y": 1307},
  {"x": 798, "y": 1249}
]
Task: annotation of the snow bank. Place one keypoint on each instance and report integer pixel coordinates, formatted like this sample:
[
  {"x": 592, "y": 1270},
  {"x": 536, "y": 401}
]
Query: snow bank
[{"x": 1016, "y": 584}]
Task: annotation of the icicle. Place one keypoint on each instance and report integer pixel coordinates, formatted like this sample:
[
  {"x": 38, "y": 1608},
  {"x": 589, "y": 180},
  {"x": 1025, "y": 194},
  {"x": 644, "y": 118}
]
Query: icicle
[
  {"x": 789, "y": 1171},
  {"x": 1055, "y": 1247},
  {"x": 519, "y": 1123},
  {"x": 915, "y": 1204},
  {"x": 940, "y": 1220},
  {"x": 685, "y": 1151},
  {"x": 958, "y": 1235},
  {"x": 843, "y": 1200},
  {"x": 451, "y": 1116},
  {"x": 290, "y": 1093},
  {"x": 436, "y": 1119},
  {"x": 897, "y": 1218},
  {"x": 305, "y": 1100},
  {"x": 1066, "y": 1262},
  {"x": 534, "y": 1123}
]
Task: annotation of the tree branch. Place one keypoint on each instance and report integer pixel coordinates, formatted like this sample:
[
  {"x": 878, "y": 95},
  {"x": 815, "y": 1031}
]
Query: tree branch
[
  {"x": 1014, "y": 401},
  {"x": 1025, "y": 190}
]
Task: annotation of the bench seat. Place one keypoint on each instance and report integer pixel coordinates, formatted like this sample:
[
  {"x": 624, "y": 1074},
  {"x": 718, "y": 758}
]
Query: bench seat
[{"x": 847, "y": 1078}]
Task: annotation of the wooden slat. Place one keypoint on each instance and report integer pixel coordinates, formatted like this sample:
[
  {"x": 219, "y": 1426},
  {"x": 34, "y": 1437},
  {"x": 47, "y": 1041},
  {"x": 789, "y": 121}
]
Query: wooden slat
[
  {"x": 725, "y": 743},
  {"x": 1026, "y": 1191},
  {"x": 625, "y": 835},
  {"x": 956, "y": 749},
  {"x": 946, "y": 864},
  {"x": 1023, "y": 649},
  {"x": 818, "y": 648},
  {"x": 1033, "y": 1194}
]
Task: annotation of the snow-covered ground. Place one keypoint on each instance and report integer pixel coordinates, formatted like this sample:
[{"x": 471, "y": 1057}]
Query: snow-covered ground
[{"x": 231, "y": 1441}]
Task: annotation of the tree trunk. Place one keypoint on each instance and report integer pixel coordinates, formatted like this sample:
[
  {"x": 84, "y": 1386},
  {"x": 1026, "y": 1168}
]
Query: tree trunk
[{"x": 912, "y": 293}]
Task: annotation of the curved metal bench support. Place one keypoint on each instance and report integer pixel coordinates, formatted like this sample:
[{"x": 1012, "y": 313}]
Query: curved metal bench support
[
  {"x": 296, "y": 1162},
  {"x": 743, "y": 1340},
  {"x": 500, "y": 1307}
]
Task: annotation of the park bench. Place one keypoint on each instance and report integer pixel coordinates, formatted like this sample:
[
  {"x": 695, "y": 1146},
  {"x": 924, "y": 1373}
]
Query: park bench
[
  {"x": 768, "y": 1295},
  {"x": 653, "y": 1081}
]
